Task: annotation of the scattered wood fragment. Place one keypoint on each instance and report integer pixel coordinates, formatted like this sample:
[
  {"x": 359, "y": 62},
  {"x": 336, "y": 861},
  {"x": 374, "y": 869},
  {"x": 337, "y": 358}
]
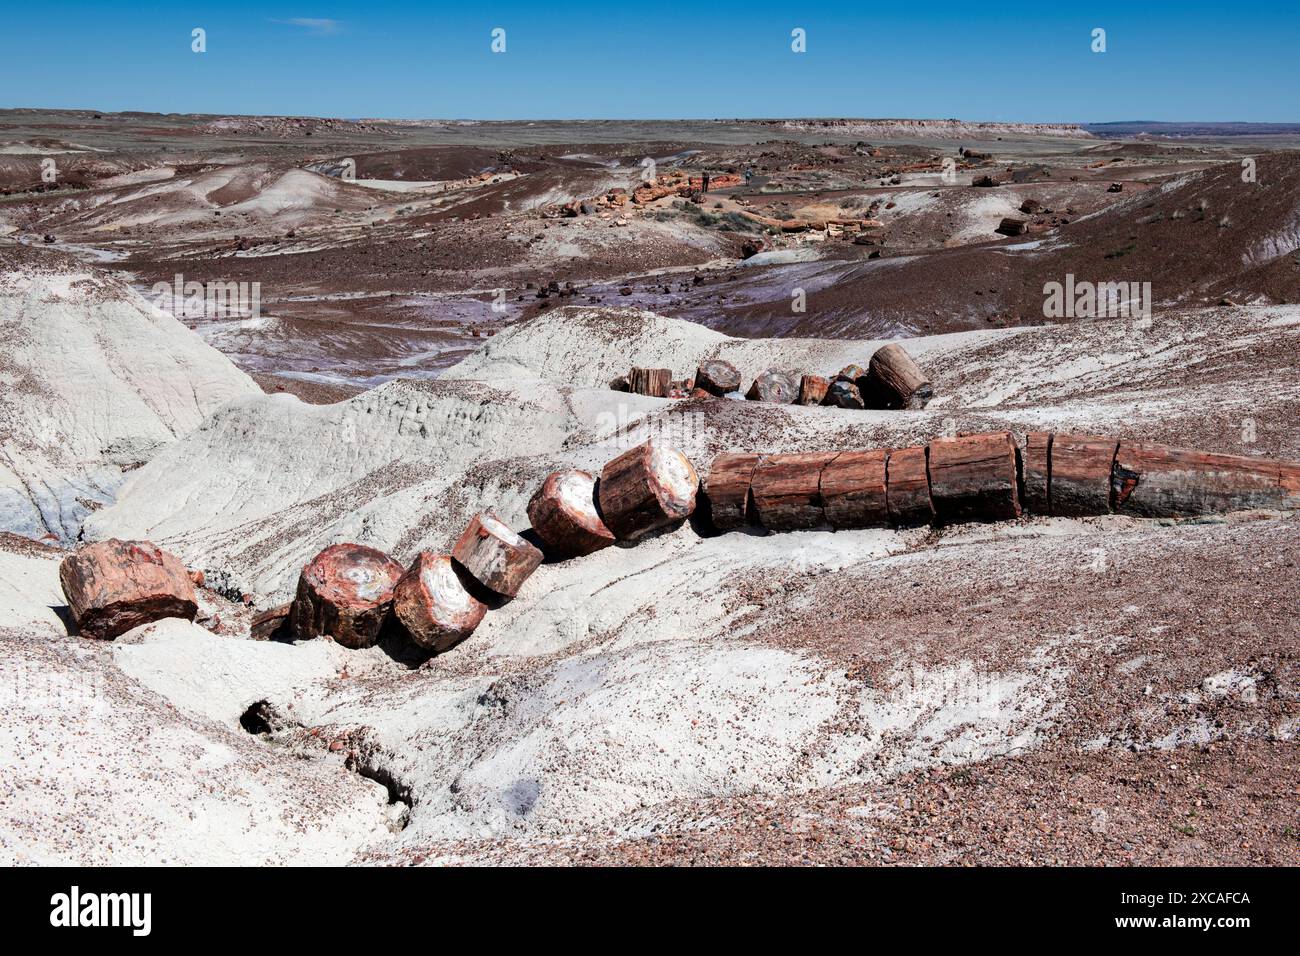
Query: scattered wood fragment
[
  {"x": 646, "y": 487},
  {"x": 113, "y": 586},
  {"x": 564, "y": 514},
  {"x": 434, "y": 603},
  {"x": 345, "y": 593},
  {"x": 494, "y": 555}
]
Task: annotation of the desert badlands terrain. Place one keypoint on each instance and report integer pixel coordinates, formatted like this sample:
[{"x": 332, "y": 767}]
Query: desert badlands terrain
[{"x": 244, "y": 340}]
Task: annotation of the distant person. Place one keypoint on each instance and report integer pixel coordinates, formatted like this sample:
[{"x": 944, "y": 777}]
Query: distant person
[{"x": 706, "y": 183}]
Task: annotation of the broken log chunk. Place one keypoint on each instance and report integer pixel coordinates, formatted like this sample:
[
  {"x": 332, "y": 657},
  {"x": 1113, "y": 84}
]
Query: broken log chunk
[
  {"x": 851, "y": 373},
  {"x": 907, "y": 487},
  {"x": 844, "y": 394},
  {"x": 786, "y": 491},
  {"x": 717, "y": 377},
  {"x": 113, "y": 586},
  {"x": 894, "y": 380},
  {"x": 853, "y": 490},
  {"x": 1035, "y": 469},
  {"x": 812, "y": 389},
  {"x": 654, "y": 382},
  {"x": 974, "y": 478},
  {"x": 774, "y": 386},
  {"x": 345, "y": 593},
  {"x": 272, "y": 625},
  {"x": 1155, "y": 481},
  {"x": 1289, "y": 484},
  {"x": 727, "y": 489},
  {"x": 646, "y": 487},
  {"x": 1012, "y": 227},
  {"x": 433, "y": 602},
  {"x": 494, "y": 555},
  {"x": 1080, "y": 477},
  {"x": 563, "y": 513}
]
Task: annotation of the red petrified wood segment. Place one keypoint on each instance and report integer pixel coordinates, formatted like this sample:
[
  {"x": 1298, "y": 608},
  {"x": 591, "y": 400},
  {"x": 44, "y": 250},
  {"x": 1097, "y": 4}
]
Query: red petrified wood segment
[
  {"x": 345, "y": 593},
  {"x": 774, "y": 386},
  {"x": 1081, "y": 473},
  {"x": 908, "y": 487},
  {"x": 895, "y": 380},
  {"x": 434, "y": 605},
  {"x": 563, "y": 513},
  {"x": 271, "y": 625},
  {"x": 853, "y": 489},
  {"x": 113, "y": 586},
  {"x": 650, "y": 381},
  {"x": 646, "y": 487},
  {"x": 1155, "y": 481},
  {"x": 787, "y": 491},
  {"x": 1035, "y": 470},
  {"x": 717, "y": 377},
  {"x": 812, "y": 389},
  {"x": 727, "y": 489},
  {"x": 973, "y": 478},
  {"x": 494, "y": 555}
]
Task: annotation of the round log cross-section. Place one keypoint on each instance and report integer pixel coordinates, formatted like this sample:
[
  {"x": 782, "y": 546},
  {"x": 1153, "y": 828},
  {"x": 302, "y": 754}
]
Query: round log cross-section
[
  {"x": 646, "y": 487},
  {"x": 894, "y": 380},
  {"x": 717, "y": 377},
  {"x": 564, "y": 515},
  {"x": 434, "y": 605},
  {"x": 497, "y": 557},
  {"x": 345, "y": 593},
  {"x": 774, "y": 386}
]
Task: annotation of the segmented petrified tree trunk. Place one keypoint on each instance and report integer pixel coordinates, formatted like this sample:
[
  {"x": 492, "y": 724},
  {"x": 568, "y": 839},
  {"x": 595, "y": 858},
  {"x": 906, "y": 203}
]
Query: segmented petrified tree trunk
[
  {"x": 908, "y": 487},
  {"x": 345, "y": 593},
  {"x": 812, "y": 389},
  {"x": 564, "y": 515},
  {"x": 974, "y": 478},
  {"x": 654, "y": 382},
  {"x": 494, "y": 555},
  {"x": 844, "y": 394},
  {"x": 774, "y": 386},
  {"x": 853, "y": 489},
  {"x": 896, "y": 381},
  {"x": 1155, "y": 481},
  {"x": 1081, "y": 469},
  {"x": 646, "y": 487},
  {"x": 434, "y": 604},
  {"x": 787, "y": 491},
  {"x": 1034, "y": 471},
  {"x": 727, "y": 490},
  {"x": 113, "y": 586},
  {"x": 717, "y": 377}
]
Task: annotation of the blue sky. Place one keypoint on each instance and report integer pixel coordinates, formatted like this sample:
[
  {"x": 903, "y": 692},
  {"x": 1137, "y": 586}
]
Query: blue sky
[{"x": 1007, "y": 60}]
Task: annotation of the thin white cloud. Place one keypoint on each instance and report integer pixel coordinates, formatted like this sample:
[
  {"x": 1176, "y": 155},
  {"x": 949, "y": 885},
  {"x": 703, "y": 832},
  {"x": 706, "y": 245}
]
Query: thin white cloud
[{"x": 315, "y": 26}]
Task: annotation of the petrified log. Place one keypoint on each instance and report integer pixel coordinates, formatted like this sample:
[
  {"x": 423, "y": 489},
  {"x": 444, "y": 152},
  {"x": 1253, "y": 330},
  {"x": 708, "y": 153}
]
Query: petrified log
[
  {"x": 345, "y": 593},
  {"x": 650, "y": 381},
  {"x": 564, "y": 515},
  {"x": 844, "y": 394},
  {"x": 1080, "y": 476},
  {"x": 272, "y": 625},
  {"x": 908, "y": 487},
  {"x": 774, "y": 386},
  {"x": 851, "y": 373},
  {"x": 434, "y": 604},
  {"x": 727, "y": 489},
  {"x": 812, "y": 389},
  {"x": 494, "y": 555},
  {"x": 787, "y": 491},
  {"x": 1155, "y": 481},
  {"x": 646, "y": 487},
  {"x": 717, "y": 377},
  {"x": 1012, "y": 227},
  {"x": 973, "y": 478},
  {"x": 113, "y": 586},
  {"x": 895, "y": 381},
  {"x": 1035, "y": 469},
  {"x": 853, "y": 489}
]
